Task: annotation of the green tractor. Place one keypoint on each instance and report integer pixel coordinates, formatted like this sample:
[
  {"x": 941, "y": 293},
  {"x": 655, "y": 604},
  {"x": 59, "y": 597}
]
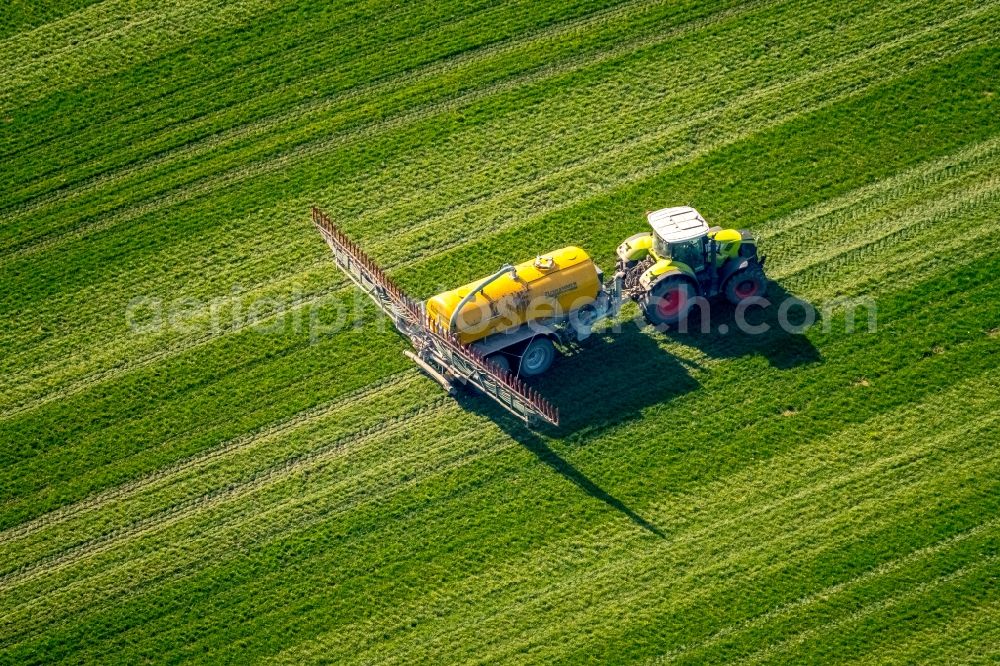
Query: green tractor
[{"x": 666, "y": 270}]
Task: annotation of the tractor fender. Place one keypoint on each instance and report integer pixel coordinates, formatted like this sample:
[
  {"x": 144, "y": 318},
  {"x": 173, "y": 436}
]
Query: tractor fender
[
  {"x": 729, "y": 242},
  {"x": 728, "y": 269},
  {"x": 663, "y": 269},
  {"x": 748, "y": 245},
  {"x": 635, "y": 247}
]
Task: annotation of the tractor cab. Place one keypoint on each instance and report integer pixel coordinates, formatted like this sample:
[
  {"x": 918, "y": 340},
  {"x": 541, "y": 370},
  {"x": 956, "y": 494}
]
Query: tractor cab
[{"x": 683, "y": 258}]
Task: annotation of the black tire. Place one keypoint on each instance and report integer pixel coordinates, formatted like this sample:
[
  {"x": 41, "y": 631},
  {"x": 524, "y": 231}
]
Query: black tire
[
  {"x": 537, "y": 357},
  {"x": 500, "y": 359},
  {"x": 669, "y": 302},
  {"x": 746, "y": 283}
]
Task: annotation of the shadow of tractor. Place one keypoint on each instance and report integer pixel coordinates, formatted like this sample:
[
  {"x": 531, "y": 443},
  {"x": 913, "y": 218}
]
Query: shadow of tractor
[
  {"x": 772, "y": 328},
  {"x": 611, "y": 377},
  {"x": 614, "y": 375}
]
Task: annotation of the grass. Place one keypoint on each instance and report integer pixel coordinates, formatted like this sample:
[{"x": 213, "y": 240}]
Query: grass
[{"x": 219, "y": 493}]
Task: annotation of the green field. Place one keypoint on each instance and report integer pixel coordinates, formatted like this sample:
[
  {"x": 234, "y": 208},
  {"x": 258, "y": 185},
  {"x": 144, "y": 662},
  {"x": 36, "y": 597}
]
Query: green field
[{"x": 235, "y": 478}]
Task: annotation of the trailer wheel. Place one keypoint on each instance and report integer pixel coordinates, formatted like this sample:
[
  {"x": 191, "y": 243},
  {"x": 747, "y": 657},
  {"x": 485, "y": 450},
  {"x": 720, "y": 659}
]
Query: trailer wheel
[
  {"x": 500, "y": 360},
  {"x": 747, "y": 283},
  {"x": 668, "y": 302},
  {"x": 537, "y": 357}
]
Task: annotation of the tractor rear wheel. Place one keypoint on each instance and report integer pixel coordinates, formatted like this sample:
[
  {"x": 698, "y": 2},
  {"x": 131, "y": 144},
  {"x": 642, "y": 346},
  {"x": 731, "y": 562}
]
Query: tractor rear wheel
[
  {"x": 746, "y": 283},
  {"x": 668, "y": 302},
  {"x": 537, "y": 357}
]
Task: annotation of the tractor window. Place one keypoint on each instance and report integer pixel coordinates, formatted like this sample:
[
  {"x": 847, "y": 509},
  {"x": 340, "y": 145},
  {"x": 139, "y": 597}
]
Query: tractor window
[
  {"x": 661, "y": 247},
  {"x": 690, "y": 252}
]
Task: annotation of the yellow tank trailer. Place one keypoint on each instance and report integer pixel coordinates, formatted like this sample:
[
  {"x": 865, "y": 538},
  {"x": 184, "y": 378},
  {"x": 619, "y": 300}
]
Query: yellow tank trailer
[
  {"x": 514, "y": 316},
  {"x": 547, "y": 287}
]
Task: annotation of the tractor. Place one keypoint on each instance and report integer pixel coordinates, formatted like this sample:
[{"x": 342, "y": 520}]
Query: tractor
[{"x": 665, "y": 271}]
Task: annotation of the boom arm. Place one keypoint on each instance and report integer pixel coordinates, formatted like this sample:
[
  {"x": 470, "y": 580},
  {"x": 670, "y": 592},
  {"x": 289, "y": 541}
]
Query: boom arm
[{"x": 437, "y": 351}]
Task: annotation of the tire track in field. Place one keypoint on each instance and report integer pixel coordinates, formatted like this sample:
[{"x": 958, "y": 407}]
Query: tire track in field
[
  {"x": 204, "y": 88},
  {"x": 927, "y": 174},
  {"x": 385, "y": 246},
  {"x": 947, "y": 643},
  {"x": 692, "y": 538},
  {"x": 444, "y": 220},
  {"x": 325, "y": 514},
  {"x": 824, "y": 274},
  {"x": 864, "y": 200},
  {"x": 758, "y": 568},
  {"x": 734, "y": 565},
  {"x": 200, "y": 460},
  {"x": 813, "y": 598},
  {"x": 559, "y": 554},
  {"x": 940, "y": 212},
  {"x": 303, "y": 203},
  {"x": 918, "y": 590},
  {"x": 721, "y": 491},
  {"x": 313, "y": 107},
  {"x": 211, "y": 546},
  {"x": 166, "y": 491},
  {"x": 185, "y": 345},
  {"x": 913, "y": 417},
  {"x": 316, "y": 147},
  {"x": 282, "y": 508},
  {"x": 852, "y": 88},
  {"x": 118, "y": 492},
  {"x": 639, "y": 568},
  {"x": 873, "y": 234},
  {"x": 146, "y": 36},
  {"x": 882, "y": 569},
  {"x": 78, "y": 29},
  {"x": 622, "y": 49},
  {"x": 177, "y": 512},
  {"x": 599, "y": 164},
  {"x": 192, "y": 90}
]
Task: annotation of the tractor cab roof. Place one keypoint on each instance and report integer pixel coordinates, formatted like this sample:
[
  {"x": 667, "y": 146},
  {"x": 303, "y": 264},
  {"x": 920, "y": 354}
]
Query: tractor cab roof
[{"x": 677, "y": 224}]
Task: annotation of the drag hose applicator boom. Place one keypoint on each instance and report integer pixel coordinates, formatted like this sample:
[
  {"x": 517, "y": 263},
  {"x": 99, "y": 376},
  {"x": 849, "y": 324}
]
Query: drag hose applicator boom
[{"x": 437, "y": 350}]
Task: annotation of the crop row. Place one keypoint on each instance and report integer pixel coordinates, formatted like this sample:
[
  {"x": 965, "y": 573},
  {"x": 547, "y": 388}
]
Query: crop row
[
  {"x": 230, "y": 463},
  {"x": 280, "y": 90},
  {"x": 247, "y": 260},
  {"x": 718, "y": 349},
  {"x": 169, "y": 82},
  {"x": 862, "y": 348},
  {"x": 375, "y": 185},
  {"x": 369, "y": 104},
  {"x": 247, "y": 268},
  {"x": 148, "y": 383},
  {"x": 537, "y": 559},
  {"x": 917, "y": 250},
  {"x": 709, "y": 497},
  {"x": 26, "y": 78},
  {"x": 79, "y": 531},
  {"x": 312, "y": 490},
  {"x": 436, "y": 243},
  {"x": 848, "y": 491},
  {"x": 379, "y": 116}
]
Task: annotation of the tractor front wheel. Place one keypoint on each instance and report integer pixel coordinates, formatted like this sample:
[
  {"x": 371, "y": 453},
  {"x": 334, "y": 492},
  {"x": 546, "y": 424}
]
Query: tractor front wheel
[
  {"x": 668, "y": 303},
  {"x": 746, "y": 283}
]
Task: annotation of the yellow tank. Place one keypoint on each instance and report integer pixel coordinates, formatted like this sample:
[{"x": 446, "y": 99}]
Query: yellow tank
[{"x": 551, "y": 285}]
